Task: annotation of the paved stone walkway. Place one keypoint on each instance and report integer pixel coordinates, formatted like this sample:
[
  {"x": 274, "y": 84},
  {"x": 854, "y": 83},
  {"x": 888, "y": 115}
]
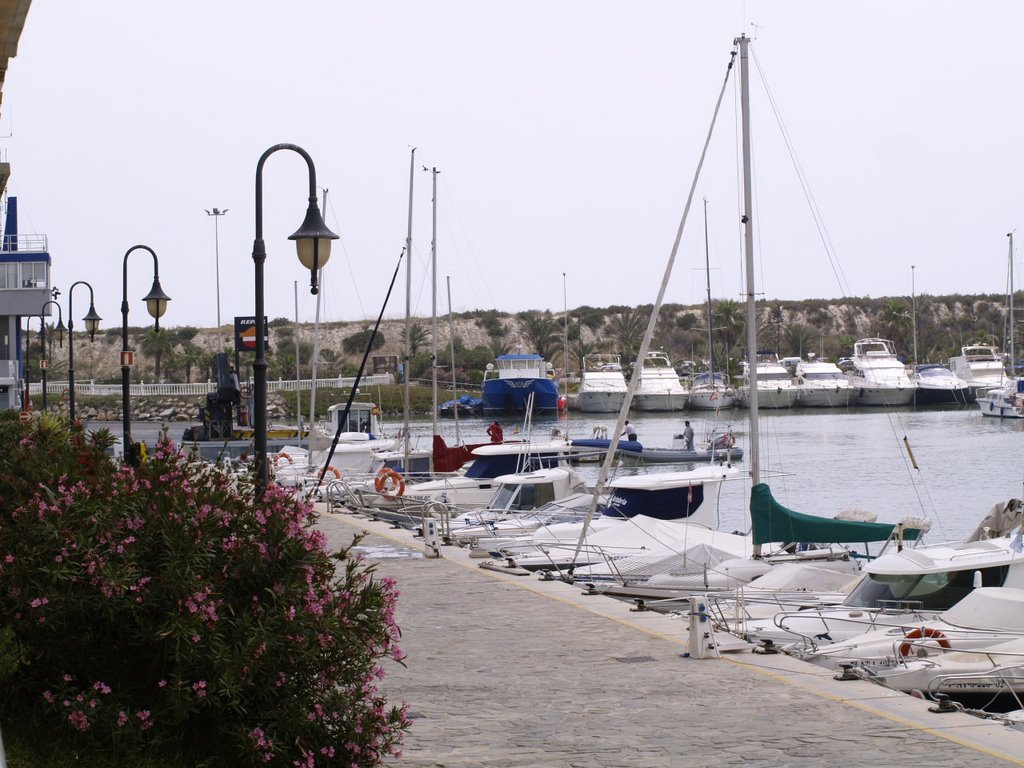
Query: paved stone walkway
[{"x": 514, "y": 671}]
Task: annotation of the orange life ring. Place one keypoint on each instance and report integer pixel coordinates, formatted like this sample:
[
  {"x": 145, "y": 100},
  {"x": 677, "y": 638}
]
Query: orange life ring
[
  {"x": 920, "y": 634},
  {"x": 283, "y": 455},
  {"x": 375, "y": 411},
  {"x": 389, "y": 482},
  {"x": 333, "y": 470}
]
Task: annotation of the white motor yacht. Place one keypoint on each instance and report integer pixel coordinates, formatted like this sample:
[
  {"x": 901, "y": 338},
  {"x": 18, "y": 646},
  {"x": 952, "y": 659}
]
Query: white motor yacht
[
  {"x": 603, "y": 386},
  {"x": 981, "y": 366},
  {"x": 820, "y": 384},
  {"x": 876, "y": 375},
  {"x": 659, "y": 388},
  {"x": 775, "y": 388}
]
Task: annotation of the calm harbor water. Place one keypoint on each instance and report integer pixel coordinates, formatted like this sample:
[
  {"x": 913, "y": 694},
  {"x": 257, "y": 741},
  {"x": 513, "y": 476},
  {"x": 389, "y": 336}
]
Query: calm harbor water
[{"x": 819, "y": 461}]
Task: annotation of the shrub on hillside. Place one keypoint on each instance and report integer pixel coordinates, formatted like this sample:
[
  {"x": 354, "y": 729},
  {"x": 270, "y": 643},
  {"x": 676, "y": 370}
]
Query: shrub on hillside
[{"x": 162, "y": 609}]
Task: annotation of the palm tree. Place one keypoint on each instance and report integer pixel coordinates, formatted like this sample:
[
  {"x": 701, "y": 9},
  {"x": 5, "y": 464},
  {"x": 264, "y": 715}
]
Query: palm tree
[
  {"x": 191, "y": 356},
  {"x": 418, "y": 336},
  {"x": 627, "y": 328},
  {"x": 542, "y": 332},
  {"x": 156, "y": 344},
  {"x": 895, "y": 322},
  {"x": 728, "y": 318}
]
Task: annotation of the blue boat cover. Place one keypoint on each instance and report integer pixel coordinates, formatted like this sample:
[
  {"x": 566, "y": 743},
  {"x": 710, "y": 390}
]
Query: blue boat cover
[{"x": 663, "y": 504}]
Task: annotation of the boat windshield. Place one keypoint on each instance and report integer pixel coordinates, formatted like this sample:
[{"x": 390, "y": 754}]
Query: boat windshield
[
  {"x": 773, "y": 376},
  {"x": 833, "y": 376},
  {"x": 522, "y": 497},
  {"x": 935, "y": 373},
  {"x": 933, "y": 591}
]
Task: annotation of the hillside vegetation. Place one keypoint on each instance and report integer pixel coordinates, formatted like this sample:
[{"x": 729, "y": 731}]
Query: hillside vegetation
[{"x": 826, "y": 328}]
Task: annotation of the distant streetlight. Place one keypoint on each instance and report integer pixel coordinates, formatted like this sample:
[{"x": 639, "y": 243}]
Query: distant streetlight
[
  {"x": 313, "y": 246},
  {"x": 217, "y": 213},
  {"x": 59, "y": 328},
  {"x": 92, "y": 323},
  {"x": 156, "y": 304}
]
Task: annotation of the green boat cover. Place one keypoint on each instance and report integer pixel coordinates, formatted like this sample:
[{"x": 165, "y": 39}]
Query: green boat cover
[{"x": 773, "y": 522}]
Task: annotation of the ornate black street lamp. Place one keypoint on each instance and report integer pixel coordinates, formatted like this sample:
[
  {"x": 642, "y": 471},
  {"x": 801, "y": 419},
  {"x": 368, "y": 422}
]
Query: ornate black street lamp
[
  {"x": 92, "y": 322},
  {"x": 313, "y": 243},
  {"x": 43, "y": 362},
  {"x": 156, "y": 304}
]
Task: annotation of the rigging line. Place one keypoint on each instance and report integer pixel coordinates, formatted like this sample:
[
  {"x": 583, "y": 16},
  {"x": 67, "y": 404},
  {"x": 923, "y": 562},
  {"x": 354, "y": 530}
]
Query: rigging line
[
  {"x": 737, "y": 158},
  {"x": 343, "y": 418},
  {"x": 653, "y": 320},
  {"x": 348, "y": 261},
  {"x": 458, "y": 219},
  {"x": 826, "y": 240}
]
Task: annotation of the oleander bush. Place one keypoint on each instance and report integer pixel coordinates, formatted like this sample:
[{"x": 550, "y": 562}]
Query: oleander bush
[{"x": 161, "y": 610}]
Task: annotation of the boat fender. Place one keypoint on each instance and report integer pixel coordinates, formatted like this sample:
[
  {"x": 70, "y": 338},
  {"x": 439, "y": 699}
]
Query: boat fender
[
  {"x": 922, "y": 633},
  {"x": 390, "y": 483}
]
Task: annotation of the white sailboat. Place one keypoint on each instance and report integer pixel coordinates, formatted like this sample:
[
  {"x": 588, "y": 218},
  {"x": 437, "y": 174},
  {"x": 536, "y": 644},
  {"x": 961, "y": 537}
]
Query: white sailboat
[
  {"x": 709, "y": 391},
  {"x": 1007, "y": 400}
]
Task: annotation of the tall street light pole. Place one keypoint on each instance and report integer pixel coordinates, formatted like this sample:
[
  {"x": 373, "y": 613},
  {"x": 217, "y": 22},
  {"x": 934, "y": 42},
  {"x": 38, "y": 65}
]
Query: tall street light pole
[
  {"x": 156, "y": 303},
  {"x": 217, "y": 213},
  {"x": 313, "y": 244},
  {"x": 43, "y": 362},
  {"x": 92, "y": 322}
]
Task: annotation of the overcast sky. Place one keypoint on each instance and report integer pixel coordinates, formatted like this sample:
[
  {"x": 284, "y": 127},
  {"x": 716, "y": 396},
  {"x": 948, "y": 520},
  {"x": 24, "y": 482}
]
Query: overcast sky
[{"x": 566, "y": 133}]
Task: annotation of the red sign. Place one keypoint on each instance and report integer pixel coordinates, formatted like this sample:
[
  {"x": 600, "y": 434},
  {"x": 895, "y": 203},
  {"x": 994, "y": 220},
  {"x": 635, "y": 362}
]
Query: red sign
[
  {"x": 127, "y": 359},
  {"x": 24, "y": 417}
]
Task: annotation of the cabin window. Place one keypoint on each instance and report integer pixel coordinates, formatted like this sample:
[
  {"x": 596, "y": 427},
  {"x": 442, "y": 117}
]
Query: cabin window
[
  {"x": 33, "y": 274},
  {"x": 934, "y": 591},
  {"x": 8, "y": 275}
]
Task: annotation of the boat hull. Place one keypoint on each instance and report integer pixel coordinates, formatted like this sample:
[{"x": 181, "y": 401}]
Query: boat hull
[
  {"x": 509, "y": 396},
  {"x": 944, "y": 396},
  {"x": 600, "y": 402},
  {"x": 774, "y": 397},
  {"x": 659, "y": 401},
  {"x": 881, "y": 397},
  {"x": 831, "y": 397},
  {"x": 711, "y": 401}
]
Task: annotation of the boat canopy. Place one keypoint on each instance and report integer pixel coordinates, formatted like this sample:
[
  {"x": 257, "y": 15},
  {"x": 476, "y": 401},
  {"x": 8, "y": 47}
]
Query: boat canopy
[{"x": 773, "y": 522}]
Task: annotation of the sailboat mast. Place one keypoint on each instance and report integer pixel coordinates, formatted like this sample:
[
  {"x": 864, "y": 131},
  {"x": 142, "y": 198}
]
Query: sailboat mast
[
  {"x": 408, "y": 312},
  {"x": 298, "y": 371},
  {"x": 1013, "y": 357},
  {"x": 451, "y": 342},
  {"x": 433, "y": 300},
  {"x": 748, "y": 247},
  {"x": 707, "y": 272},
  {"x": 913, "y": 313}
]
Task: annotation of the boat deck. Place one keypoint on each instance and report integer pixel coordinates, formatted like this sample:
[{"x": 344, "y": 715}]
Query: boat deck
[{"x": 506, "y": 670}]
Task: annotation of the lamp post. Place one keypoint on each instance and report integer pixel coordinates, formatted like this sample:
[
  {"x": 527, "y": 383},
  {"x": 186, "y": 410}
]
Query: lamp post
[
  {"x": 313, "y": 244},
  {"x": 217, "y": 213},
  {"x": 156, "y": 304},
  {"x": 43, "y": 362},
  {"x": 92, "y": 322}
]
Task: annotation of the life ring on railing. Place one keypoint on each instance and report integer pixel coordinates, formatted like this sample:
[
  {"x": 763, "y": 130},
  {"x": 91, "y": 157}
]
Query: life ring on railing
[
  {"x": 283, "y": 455},
  {"x": 375, "y": 411},
  {"x": 334, "y": 471},
  {"x": 922, "y": 633},
  {"x": 389, "y": 482}
]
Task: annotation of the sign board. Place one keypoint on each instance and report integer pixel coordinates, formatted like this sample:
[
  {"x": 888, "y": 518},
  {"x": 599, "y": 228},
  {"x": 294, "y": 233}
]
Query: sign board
[
  {"x": 24, "y": 417},
  {"x": 127, "y": 359},
  {"x": 44, "y": 364},
  {"x": 245, "y": 334}
]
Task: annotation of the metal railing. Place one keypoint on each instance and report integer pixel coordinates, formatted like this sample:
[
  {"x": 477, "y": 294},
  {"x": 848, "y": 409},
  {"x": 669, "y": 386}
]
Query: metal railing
[{"x": 202, "y": 388}]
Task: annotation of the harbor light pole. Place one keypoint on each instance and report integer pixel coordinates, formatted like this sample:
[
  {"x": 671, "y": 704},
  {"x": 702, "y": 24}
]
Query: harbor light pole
[
  {"x": 156, "y": 304},
  {"x": 92, "y": 323},
  {"x": 313, "y": 246},
  {"x": 44, "y": 364},
  {"x": 217, "y": 213}
]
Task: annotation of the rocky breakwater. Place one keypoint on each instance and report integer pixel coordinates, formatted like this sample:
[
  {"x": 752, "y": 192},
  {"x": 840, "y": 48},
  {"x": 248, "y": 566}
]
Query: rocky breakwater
[{"x": 156, "y": 409}]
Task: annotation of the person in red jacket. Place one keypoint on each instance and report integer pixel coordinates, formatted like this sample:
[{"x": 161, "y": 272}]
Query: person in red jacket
[{"x": 496, "y": 433}]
